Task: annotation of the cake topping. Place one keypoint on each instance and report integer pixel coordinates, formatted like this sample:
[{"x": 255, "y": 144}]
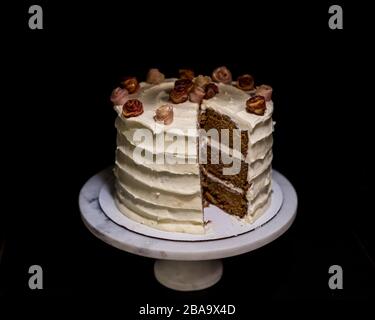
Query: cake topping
[
  {"x": 187, "y": 84},
  {"x": 154, "y": 76},
  {"x": 222, "y": 74},
  {"x": 131, "y": 84},
  {"x": 179, "y": 94},
  {"x": 265, "y": 91},
  {"x": 211, "y": 90},
  {"x": 132, "y": 108},
  {"x": 202, "y": 81},
  {"x": 197, "y": 94},
  {"x": 245, "y": 82},
  {"x": 164, "y": 114},
  {"x": 119, "y": 96},
  {"x": 186, "y": 74},
  {"x": 256, "y": 105}
]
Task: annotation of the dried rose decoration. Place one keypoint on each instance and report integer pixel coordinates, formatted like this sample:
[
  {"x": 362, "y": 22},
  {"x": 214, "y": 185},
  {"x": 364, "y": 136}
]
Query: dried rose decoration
[
  {"x": 131, "y": 84},
  {"x": 186, "y": 74},
  {"x": 256, "y": 105},
  {"x": 222, "y": 74},
  {"x": 196, "y": 94},
  {"x": 211, "y": 90},
  {"x": 245, "y": 82},
  {"x": 154, "y": 76},
  {"x": 202, "y": 81},
  {"x": 164, "y": 114},
  {"x": 179, "y": 94},
  {"x": 119, "y": 96},
  {"x": 265, "y": 91},
  {"x": 187, "y": 84},
  {"x": 132, "y": 108}
]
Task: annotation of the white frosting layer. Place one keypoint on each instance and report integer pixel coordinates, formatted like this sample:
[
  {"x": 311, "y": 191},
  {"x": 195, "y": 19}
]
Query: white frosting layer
[
  {"x": 168, "y": 196},
  {"x": 164, "y": 142},
  {"x": 175, "y": 226},
  {"x": 152, "y": 97},
  {"x": 258, "y": 184},
  {"x": 159, "y": 213},
  {"x": 164, "y": 181},
  {"x": 161, "y": 198}
]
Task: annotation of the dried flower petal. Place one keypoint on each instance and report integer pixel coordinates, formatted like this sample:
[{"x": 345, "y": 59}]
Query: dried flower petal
[
  {"x": 223, "y": 75},
  {"x": 132, "y": 108},
  {"x": 197, "y": 94},
  {"x": 245, "y": 82},
  {"x": 131, "y": 84},
  {"x": 119, "y": 96},
  {"x": 187, "y": 84},
  {"x": 154, "y": 76},
  {"x": 164, "y": 114},
  {"x": 265, "y": 91},
  {"x": 211, "y": 91},
  {"x": 256, "y": 105},
  {"x": 186, "y": 74},
  {"x": 178, "y": 94}
]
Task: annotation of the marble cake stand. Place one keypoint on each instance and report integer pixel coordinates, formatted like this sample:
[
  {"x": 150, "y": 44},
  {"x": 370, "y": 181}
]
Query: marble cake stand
[{"x": 183, "y": 265}]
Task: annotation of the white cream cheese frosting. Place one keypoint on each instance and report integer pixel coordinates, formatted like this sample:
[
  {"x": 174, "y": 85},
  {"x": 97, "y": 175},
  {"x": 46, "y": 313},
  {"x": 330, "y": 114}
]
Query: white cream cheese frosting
[{"x": 168, "y": 196}]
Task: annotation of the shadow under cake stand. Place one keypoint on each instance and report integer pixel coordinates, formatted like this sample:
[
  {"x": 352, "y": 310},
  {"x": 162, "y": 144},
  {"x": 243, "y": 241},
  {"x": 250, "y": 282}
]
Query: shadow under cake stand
[{"x": 183, "y": 265}]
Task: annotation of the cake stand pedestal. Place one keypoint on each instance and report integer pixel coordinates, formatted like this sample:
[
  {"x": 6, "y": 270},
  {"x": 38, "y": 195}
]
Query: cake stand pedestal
[{"x": 183, "y": 265}]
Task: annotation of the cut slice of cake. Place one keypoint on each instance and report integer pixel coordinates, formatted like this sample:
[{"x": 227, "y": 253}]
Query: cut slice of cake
[{"x": 246, "y": 193}]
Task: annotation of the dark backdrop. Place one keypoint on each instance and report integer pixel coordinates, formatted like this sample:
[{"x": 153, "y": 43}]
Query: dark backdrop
[{"x": 62, "y": 133}]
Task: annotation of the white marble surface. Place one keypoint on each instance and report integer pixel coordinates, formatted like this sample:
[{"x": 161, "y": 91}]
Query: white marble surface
[
  {"x": 121, "y": 238},
  {"x": 221, "y": 225}
]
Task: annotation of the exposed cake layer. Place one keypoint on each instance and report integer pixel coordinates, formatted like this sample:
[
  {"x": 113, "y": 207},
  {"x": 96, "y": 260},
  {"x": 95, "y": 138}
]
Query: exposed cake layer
[
  {"x": 212, "y": 120},
  {"x": 244, "y": 204},
  {"x": 246, "y": 193},
  {"x": 251, "y": 149},
  {"x": 258, "y": 183},
  {"x": 247, "y": 171}
]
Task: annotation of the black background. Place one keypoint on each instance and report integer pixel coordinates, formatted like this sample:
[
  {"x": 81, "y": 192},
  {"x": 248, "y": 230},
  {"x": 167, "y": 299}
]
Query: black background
[{"x": 61, "y": 133}]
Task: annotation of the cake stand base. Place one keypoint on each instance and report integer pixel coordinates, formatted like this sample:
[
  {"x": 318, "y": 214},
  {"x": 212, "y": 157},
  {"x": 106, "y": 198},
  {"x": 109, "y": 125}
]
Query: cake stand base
[
  {"x": 188, "y": 275},
  {"x": 183, "y": 265}
]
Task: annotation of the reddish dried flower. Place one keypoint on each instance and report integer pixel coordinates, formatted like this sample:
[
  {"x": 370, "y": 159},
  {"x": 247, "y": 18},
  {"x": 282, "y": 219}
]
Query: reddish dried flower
[
  {"x": 119, "y": 96},
  {"x": 256, "y": 105},
  {"x": 132, "y": 108},
  {"x": 187, "y": 84},
  {"x": 154, "y": 76},
  {"x": 265, "y": 91},
  {"x": 222, "y": 74},
  {"x": 211, "y": 90},
  {"x": 245, "y": 82},
  {"x": 164, "y": 114},
  {"x": 197, "y": 94},
  {"x": 178, "y": 94},
  {"x": 186, "y": 74},
  {"x": 131, "y": 84}
]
